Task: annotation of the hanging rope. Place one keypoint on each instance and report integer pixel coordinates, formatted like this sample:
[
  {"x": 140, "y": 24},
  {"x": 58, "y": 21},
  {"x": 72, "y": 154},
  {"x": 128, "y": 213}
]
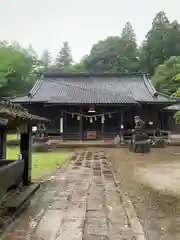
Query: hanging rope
[{"x": 92, "y": 116}]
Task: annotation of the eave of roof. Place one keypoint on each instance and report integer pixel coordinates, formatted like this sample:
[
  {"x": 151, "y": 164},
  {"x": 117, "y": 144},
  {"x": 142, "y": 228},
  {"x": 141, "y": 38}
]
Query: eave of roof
[
  {"x": 175, "y": 107},
  {"x": 17, "y": 112}
]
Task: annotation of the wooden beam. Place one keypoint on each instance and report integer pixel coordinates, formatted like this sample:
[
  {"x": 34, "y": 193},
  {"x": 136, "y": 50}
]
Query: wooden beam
[
  {"x": 26, "y": 151},
  {"x": 122, "y": 127},
  {"x": 81, "y": 126},
  {"x": 3, "y": 143},
  {"x": 61, "y": 124},
  {"x": 161, "y": 120},
  {"x": 102, "y": 128},
  {"x": 122, "y": 120}
]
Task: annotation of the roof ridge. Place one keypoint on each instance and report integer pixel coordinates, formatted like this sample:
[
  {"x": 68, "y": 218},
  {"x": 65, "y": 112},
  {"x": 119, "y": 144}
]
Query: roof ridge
[
  {"x": 152, "y": 89},
  {"x": 89, "y": 74},
  {"x": 149, "y": 85},
  {"x": 31, "y": 93},
  {"x": 36, "y": 87}
]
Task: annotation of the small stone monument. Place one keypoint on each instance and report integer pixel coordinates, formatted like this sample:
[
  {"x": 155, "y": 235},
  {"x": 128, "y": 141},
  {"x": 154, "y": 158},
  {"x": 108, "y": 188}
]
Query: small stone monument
[
  {"x": 117, "y": 140},
  {"x": 140, "y": 142}
]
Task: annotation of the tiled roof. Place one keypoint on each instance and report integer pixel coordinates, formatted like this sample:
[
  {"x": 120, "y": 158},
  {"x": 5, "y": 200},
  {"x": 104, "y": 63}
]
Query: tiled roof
[
  {"x": 93, "y": 88},
  {"x": 17, "y": 112}
]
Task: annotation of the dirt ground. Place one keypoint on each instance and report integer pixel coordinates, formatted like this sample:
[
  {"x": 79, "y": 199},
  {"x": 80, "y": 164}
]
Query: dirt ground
[{"x": 153, "y": 184}]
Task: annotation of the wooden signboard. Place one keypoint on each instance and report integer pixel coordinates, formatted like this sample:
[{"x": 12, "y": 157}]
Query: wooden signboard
[{"x": 91, "y": 134}]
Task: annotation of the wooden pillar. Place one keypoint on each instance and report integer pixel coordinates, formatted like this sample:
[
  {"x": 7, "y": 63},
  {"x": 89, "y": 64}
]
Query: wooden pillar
[
  {"x": 3, "y": 138},
  {"x": 102, "y": 128},
  {"x": 138, "y": 111},
  {"x": 122, "y": 127},
  {"x": 122, "y": 120},
  {"x": 26, "y": 151},
  {"x": 81, "y": 126},
  {"x": 161, "y": 120},
  {"x": 61, "y": 125}
]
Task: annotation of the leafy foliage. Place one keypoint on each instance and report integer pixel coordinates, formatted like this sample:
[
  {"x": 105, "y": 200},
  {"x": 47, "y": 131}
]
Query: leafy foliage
[
  {"x": 18, "y": 69},
  {"x": 166, "y": 77},
  {"x": 177, "y": 117},
  {"x": 115, "y": 54},
  {"x": 167, "y": 80},
  {"x": 161, "y": 43}
]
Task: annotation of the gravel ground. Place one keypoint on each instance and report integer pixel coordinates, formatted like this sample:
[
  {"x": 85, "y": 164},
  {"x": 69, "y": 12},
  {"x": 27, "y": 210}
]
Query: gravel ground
[{"x": 153, "y": 184}]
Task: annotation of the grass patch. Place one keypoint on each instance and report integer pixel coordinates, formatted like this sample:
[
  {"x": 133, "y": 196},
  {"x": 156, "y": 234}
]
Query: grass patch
[
  {"x": 42, "y": 163},
  {"x": 11, "y": 137},
  {"x": 12, "y": 153}
]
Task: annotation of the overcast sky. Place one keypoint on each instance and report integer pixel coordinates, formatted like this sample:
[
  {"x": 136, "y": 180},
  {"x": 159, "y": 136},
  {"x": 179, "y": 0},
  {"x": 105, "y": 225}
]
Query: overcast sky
[{"x": 47, "y": 23}]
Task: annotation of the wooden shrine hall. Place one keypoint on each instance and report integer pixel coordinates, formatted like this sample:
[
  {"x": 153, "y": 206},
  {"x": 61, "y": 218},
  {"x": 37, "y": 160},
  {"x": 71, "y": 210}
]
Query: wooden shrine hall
[
  {"x": 13, "y": 172},
  {"x": 84, "y": 106}
]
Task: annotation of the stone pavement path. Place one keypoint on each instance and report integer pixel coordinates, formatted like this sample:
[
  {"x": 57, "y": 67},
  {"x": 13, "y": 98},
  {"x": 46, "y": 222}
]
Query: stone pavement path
[{"x": 80, "y": 202}]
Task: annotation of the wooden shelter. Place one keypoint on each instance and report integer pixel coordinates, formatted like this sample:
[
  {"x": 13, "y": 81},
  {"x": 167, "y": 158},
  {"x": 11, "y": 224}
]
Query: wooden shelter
[
  {"x": 13, "y": 172},
  {"x": 96, "y": 106}
]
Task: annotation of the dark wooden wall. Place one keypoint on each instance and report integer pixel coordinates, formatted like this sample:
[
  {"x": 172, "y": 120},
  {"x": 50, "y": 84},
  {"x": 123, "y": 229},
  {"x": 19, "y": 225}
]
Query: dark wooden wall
[{"x": 148, "y": 112}]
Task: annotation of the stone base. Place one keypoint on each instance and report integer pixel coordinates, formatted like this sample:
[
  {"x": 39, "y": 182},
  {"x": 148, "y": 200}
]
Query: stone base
[
  {"x": 141, "y": 148},
  {"x": 21, "y": 197},
  {"x": 140, "y": 143}
]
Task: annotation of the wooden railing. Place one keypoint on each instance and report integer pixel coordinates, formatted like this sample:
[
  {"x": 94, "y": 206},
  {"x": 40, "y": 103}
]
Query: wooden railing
[
  {"x": 110, "y": 135},
  {"x": 107, "y": 135},
  {"x": 71, "y": 136}
]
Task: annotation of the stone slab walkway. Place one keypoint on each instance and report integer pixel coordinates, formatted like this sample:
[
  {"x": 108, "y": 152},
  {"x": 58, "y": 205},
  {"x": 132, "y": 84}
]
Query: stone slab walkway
[{"x": 80, "y": 202}]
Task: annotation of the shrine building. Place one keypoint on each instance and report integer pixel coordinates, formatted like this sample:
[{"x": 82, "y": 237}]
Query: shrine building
[{"x": 84, "y": 106}]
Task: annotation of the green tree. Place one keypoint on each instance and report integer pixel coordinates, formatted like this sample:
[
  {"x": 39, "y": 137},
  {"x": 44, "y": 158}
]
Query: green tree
[
  {"x": 162, "y": 42},
  {"x": 177, "y": 95},
  {"x": 128, "y": 33},
  {"x": 115, "y": 54},
  {"x": 103, "y": 55},
  {"x": 166, "y": 78},
  {"x": 77, "y": 68},
  {"x": 129, "y": 58},
  {"x": 18, "y": 69},
  {"x": 160, "y": 19},
  {"x": 64, "y": 59}
]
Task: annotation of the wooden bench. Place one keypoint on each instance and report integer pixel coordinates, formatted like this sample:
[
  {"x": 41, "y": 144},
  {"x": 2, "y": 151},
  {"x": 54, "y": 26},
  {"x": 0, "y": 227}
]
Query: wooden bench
[{"x": 158, "y": 142}]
